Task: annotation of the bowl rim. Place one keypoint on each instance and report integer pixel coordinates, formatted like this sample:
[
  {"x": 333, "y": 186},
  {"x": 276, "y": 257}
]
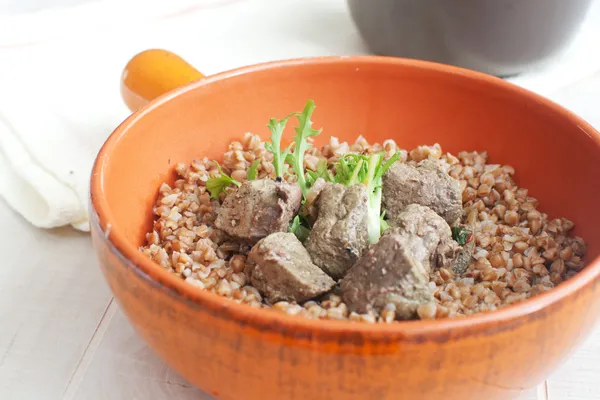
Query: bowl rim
[{"x": 502, "y": 319}]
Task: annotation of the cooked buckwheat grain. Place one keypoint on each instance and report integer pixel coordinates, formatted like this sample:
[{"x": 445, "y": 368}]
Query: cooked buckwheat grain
[{"x": 519, "y": 253}]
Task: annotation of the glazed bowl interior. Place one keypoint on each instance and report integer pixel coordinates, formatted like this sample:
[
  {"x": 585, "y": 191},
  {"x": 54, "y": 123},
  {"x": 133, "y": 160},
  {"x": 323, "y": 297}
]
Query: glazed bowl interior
[{"x": 555, "y": 154}]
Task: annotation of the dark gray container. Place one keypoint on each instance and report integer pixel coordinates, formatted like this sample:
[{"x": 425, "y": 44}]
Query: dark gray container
[{"x": 499, "y": 37}]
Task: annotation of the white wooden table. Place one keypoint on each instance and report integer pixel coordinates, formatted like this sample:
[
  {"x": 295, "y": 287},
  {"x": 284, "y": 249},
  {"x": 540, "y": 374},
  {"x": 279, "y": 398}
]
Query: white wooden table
[{"x": 63, "y": 337}]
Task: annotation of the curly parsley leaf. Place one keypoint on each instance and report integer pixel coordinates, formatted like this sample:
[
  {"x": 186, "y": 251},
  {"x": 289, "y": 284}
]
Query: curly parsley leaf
[
  {"x": 461, "y": 235},
  {"x": 298, "y": 227},
  {"x": 304, "y": 131},
  {"x": 300, "y": 145},
  {"x": 383, "y": 224},
  {"x": 367, "y": 169},
  {"x": 253, "y": 170},
  {"x": 217, "y": 184},
  {"x": 322, "y": 171},
  {"x": 350, "y": 169},
  {"x": 383, "y": 167},
  {"x": 274, "y": 146}
]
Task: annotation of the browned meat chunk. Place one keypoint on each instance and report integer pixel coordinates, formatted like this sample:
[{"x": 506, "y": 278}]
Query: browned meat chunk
[
  {"x": 426, "y": 184},
  {"x": 428, "y": 235},
  {"x": 259, "y": 208},
  {"x": 284, "y": 271},
  {"x": 387, "y": 273},
  {"x": 339, "y": 235}
]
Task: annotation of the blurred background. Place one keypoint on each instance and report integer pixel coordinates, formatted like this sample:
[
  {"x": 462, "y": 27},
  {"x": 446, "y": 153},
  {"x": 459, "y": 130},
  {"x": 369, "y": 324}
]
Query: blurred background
[
  {"x": 17, "y": 7},
  {"x": 61, "y": 62},
  {"x": 81, "y": 46}
]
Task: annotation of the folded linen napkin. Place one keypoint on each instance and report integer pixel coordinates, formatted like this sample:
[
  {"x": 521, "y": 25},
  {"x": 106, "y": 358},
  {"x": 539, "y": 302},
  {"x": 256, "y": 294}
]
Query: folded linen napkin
[{"x": 59, "y": 82}]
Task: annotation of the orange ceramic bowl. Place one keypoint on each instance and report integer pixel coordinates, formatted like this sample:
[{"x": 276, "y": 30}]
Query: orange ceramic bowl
[{"x": 236, "y": 352}]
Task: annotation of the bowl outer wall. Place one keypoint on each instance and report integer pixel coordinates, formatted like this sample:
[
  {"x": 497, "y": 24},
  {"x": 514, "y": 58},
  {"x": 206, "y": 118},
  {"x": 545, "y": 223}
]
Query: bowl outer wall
[{"x": 233, "y": 350}]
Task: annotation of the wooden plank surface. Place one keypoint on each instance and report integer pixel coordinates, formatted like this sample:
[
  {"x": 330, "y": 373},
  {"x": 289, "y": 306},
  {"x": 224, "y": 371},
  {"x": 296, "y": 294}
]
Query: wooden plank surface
[
  {"x": 123, "y": 367},
  {"x": 52, "y": 298},
  {"x": 61, "y": 337},
  {"x": 579, "y": 377},
  {"x": 530, "y": 395}
]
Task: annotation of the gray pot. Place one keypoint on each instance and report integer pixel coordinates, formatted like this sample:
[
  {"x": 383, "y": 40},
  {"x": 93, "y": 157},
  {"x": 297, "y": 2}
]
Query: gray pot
[{"x": 499, "y": 37}]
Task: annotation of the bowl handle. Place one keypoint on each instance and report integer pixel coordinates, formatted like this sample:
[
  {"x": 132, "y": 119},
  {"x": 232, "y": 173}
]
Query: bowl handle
[{"x": 154, "y": 72}]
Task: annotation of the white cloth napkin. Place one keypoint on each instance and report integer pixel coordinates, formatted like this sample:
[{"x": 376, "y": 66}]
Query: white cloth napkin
[{"x": 60, "y": 70}]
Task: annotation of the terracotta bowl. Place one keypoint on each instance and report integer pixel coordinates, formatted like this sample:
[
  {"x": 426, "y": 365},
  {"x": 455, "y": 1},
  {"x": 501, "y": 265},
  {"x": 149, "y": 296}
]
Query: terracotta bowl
[{"x": 236, "y": 352}]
